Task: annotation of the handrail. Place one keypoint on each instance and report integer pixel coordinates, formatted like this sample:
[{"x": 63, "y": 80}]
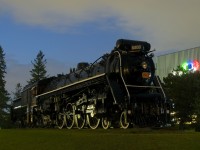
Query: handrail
[
  {"x": 140, "y": 86},
  {"x": 81, "y": 81}
]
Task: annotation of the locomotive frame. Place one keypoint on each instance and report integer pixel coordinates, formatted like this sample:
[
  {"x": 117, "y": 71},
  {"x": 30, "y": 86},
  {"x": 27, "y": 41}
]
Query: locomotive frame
[{"x": 118, "y": 89}]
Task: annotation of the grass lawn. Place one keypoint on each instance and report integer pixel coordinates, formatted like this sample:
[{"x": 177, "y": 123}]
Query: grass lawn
[{"x": 87, "y": 139}]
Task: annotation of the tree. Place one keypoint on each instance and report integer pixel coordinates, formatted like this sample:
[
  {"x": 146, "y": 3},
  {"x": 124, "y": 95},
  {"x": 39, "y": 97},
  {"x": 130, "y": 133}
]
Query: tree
[
  {"x": 39, "y": 68},
  {"x": 18, "y": 90},
  {"x": 4, "y": 96},
  {"x": 183, "y": 88}
]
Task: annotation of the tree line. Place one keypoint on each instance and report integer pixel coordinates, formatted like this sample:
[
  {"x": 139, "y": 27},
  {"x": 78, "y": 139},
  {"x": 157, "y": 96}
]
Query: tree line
[
  {"x": 37, "y": 73},
  {"x": 183, "y": 90}
]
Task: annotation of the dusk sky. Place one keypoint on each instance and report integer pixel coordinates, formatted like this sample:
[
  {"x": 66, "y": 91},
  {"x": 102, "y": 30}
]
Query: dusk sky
[{"x": 69, "y": 32}]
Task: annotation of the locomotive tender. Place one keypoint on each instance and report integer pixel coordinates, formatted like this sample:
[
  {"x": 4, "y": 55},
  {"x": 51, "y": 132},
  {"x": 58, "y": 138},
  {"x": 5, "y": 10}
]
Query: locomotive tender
[{"x": 119, "y": 88}]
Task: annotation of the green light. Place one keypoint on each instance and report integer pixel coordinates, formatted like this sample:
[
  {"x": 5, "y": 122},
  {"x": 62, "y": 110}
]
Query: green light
[{"x": 185, "y": 66}]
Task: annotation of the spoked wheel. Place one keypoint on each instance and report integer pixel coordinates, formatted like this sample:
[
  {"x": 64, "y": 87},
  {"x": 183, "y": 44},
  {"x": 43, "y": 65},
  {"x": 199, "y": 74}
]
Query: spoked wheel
[
  {"x": 93, "y": 122},
  {"x": 80, "y": 120},
  {"x": 60, "y": 120},
  {"x": 105, "y": 122},
  {"x": 69, "y": 116},
  {"x": 124, "y": 120}
]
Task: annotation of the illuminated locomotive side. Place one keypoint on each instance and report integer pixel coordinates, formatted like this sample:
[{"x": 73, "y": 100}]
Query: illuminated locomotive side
[{"x": 119, "y": 88}]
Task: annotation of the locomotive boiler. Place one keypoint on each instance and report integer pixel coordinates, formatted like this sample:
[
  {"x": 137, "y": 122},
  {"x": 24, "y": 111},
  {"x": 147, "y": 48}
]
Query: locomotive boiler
[{"x": 119, "y": 89}]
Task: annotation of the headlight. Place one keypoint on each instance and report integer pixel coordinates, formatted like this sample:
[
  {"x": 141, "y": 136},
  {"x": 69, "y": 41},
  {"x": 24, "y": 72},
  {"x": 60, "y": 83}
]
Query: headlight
[{"x": 144, "y": 65}]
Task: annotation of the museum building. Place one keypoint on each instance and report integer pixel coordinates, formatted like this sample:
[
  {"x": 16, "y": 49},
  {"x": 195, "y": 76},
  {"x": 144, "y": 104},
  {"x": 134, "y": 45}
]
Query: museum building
[{"x": 188, "y": 59}]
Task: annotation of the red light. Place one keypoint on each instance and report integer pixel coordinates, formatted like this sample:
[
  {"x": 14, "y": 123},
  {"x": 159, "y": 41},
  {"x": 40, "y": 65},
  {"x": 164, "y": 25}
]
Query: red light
[{"x": 196, "y": 65}]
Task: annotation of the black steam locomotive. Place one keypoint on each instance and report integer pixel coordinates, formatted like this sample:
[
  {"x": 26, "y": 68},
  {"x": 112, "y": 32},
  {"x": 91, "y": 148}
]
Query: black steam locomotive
[{"x": 119, "y": 88}]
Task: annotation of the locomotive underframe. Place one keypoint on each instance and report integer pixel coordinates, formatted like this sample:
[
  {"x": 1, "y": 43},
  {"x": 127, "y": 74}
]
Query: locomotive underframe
[{"x": 93, "y": 104}]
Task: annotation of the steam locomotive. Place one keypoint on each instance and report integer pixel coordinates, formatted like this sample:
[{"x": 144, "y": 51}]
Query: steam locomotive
[{"x": 119, "y": 89}]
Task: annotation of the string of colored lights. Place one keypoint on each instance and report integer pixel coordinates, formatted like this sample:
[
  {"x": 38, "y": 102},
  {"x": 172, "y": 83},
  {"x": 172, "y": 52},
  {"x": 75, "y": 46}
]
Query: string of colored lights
[{"x": 191, "y": 65}]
